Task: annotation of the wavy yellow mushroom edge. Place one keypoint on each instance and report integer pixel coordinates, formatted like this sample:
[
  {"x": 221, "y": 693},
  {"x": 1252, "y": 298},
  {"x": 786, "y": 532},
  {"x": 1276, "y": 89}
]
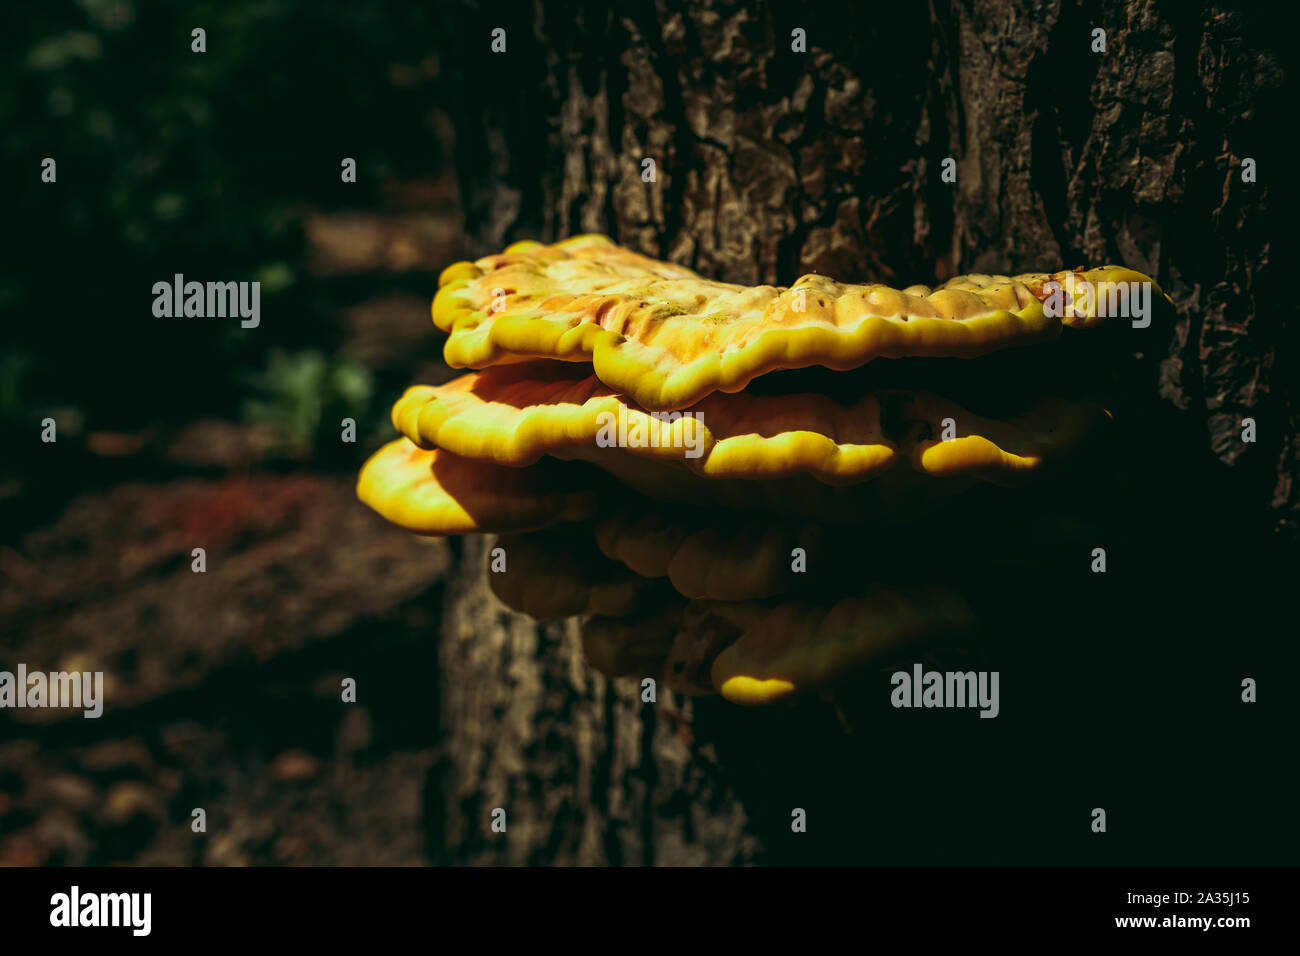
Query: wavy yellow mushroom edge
[
  {"x": 434, "y": 492},
  {"x": 667, "y": 337},
  {"x": 506, "y": 416},
  {"x": 499, "y": 416}
]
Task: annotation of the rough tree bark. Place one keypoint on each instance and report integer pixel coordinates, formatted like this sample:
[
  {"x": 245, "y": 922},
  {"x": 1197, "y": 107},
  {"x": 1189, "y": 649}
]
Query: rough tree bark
[{"x": 771, "y": 163}]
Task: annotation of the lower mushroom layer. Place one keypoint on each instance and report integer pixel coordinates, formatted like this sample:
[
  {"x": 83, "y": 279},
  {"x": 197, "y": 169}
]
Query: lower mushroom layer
[
  {"x": 763, "y": 652},
  {"x": 743, "y": 617},
  {"x": 725, "y": 559},
  {"x": 799, "y": 647},
  {"x": 632, "y": 646},
  {"x": 561, "y": 573}
]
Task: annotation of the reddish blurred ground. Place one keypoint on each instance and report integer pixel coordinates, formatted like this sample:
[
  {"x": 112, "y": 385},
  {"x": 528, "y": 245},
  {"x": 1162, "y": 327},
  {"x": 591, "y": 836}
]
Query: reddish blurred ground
[{"x": 223, "y": 688}]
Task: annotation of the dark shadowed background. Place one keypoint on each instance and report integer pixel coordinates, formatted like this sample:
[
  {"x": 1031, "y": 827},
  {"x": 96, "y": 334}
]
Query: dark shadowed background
[{"x": 1120, "y": 692}]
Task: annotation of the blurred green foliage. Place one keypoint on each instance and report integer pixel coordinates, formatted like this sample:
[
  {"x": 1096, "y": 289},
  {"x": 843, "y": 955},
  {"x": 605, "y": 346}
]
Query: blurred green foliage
[
  {"x": 171, "y": 161},
  {"x": 306, "y": 395}
]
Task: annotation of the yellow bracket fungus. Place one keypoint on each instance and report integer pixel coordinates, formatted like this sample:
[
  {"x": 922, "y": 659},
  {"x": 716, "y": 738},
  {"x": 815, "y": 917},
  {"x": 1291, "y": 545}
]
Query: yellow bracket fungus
[
  {"x": 634, "y": 645},
  {"x": 795, "y": 483},
  {"x": 560, "y": 573},
  {"x": 666, "y": 337},
  {"x": 733, "y": 560},
  {"x": 438, "y": 493},
  {"x": 797, "y": 646},
  {"x": 516, "y": 414},
  {"x": 754, "y": 652}
]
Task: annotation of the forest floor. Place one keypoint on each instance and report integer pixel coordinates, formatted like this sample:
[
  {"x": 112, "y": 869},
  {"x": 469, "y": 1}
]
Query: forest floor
[{"x": 224, "y": 688}]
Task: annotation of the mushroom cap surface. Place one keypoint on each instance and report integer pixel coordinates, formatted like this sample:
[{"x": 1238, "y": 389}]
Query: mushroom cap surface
[{"x": 666, "y": 337}]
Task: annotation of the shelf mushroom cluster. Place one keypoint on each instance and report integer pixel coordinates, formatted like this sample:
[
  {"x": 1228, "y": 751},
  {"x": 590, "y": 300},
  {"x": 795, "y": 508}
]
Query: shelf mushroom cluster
[{"x": 695, "y": 467}]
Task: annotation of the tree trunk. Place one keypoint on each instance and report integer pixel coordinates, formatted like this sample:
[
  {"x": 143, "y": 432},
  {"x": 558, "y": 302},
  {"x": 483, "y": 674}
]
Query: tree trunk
[{"x": 770, "y": 163}]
